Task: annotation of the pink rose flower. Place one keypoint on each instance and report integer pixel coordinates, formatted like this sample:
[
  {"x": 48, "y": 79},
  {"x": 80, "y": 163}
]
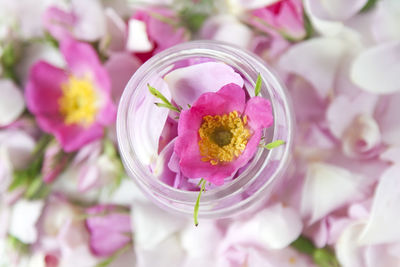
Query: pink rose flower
[
  {"x": 109, "y": 228},
  {"x": 220, "y": 133},
  {"x": 284, "y": 17},
  {"x": 73, "y": 104}
]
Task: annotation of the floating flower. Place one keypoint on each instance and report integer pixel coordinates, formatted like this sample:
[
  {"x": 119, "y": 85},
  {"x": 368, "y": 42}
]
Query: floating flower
[
  {"x": 220, "y": 133},
  {"x": 73, "y": 104}
]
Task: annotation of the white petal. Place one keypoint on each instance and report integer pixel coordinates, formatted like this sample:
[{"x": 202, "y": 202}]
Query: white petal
[
  {"x": 152, "y": 225},
  {"x": 377, "y": 69},
  {"x": 115, "y": 38},
  {"x": 335, "y": 9},
  {"x": 328, "y": 187},
  {"x": 382, "y": 226},
  {"x": 24, "y": 218},
  {"x": 274, "y": 227},
  {"x": 202, "y": 241},
  {"x": 188, "y": 83},
  {"x": 315, "y": 60},
  {"x": 91, "y": 22},
  {"x": 348, "y": 251},
  {"x": 386, "y": 26},
  {"x": 166, "y": 253},
  {"x": 11, "y": 102},
  {"x": 227, "y": 28},
  {"x": 138, "y": 41}
]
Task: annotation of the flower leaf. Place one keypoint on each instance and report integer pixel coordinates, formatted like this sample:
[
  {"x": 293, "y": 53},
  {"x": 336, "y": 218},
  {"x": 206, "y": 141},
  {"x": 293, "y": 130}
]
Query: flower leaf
[
  {"x": 274, "y": 144},
  {"x": 196, "y": 207},
  {"x": 159, "y": 95},
  {"x": 257, "y": 88}
]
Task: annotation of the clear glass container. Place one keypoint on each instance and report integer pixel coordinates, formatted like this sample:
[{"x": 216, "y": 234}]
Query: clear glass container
[{"x": 256, "y": 183}]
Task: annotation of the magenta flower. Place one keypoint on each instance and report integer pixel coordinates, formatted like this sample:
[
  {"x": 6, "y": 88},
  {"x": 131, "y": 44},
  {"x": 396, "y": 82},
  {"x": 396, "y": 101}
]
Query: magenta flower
[
  {"x": 220, "y": 133},
  {"x": 284, "y": 17},
  {"x": 73, "y": 104},
  {"x": 109, "y": 229}
]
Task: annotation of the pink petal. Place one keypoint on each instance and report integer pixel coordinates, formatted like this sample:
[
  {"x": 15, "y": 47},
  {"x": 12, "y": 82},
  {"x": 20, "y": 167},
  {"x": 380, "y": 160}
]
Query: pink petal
[
  {"x": 58, "y": 22},
  {"x": 44, "y": 89},
  {"x": 189, "y": 83},
  {"x": 386, "y": 23},
  {"x": 120, "y": 67},
  {"x": 376, "y": 69},
  {"x": 108, "y": 232},
  {"x": 389, "y": 120},
  {"x": 322, "y": 55}
]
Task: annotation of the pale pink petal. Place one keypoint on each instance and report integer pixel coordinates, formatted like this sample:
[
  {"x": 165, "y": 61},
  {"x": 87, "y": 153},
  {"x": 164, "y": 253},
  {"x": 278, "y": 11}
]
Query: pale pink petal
[
  {"x": 343, "y": 110},
  {"x": 115, "y": 38},
  {"x": 382, "y": 226},
  {"x": 362, "y": 138},
  {"x": 327, "y": 188},
  {"x": 147, "y": 132},
  {"x": 391, "y": 154},
  {"x": 120, "y": 67},
  {"x": 18, "y": 145},
  {"x": 109, "y": 229},
  {"x": 59, "y": 22},
  {"x": 316, "y": 60},
  {"x": 389, "y": 120},
  {"x": 189, "y": 83},
  {"x": 11, "y": 102},
  {"x": 335, "y": 9},
  {"x": 376, "y": 69},
  {"x": 88, "y": 177}
]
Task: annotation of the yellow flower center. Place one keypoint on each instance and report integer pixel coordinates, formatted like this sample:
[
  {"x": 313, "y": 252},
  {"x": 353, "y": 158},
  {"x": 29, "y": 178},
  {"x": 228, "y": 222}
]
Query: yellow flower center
[
  {"x": 78, "y": 103},
  {"x": 223, "y": 138}
]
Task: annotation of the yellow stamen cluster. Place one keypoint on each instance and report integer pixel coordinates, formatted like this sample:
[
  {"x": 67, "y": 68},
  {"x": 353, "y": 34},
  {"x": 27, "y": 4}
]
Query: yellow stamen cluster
[
  {"x": 78, "y": 103},
  {"x": 223, "y": 137}
]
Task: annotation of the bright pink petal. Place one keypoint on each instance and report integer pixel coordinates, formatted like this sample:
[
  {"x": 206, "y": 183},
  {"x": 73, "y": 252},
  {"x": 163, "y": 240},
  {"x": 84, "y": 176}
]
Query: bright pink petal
[
  {"x": 74, "y": 137},
  {"x": 259, "y": 113},
  {"x": 43, "y": 89}
]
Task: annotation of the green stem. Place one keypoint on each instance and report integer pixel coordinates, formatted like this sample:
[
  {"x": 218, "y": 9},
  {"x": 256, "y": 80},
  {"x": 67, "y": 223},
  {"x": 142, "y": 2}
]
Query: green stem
[{"x": 196, "y": 207}]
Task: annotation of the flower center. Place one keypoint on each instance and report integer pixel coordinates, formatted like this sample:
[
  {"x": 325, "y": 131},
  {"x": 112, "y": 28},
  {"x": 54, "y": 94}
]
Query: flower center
[
  {"x": 223, "y": 137},
  {"x": 78, "y": 103}
]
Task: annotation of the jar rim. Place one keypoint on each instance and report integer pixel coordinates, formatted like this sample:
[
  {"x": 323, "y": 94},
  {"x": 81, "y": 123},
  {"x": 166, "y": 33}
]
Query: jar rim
[{"x": 165, "y": 193}]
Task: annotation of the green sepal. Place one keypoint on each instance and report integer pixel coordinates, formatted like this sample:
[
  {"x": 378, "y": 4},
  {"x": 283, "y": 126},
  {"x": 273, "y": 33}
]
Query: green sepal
[
  {"x": 274, "y": 144},
  {"x": 257, "y": 88}
]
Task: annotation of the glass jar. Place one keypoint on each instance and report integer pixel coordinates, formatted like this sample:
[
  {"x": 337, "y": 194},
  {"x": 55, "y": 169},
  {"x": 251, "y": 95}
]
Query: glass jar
[{"x": 256, "y": 183}]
